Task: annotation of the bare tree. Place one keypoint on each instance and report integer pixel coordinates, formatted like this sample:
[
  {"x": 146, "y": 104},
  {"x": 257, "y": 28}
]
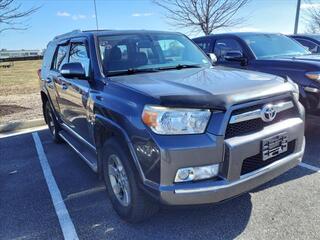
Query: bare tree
[
  {"x": 12, "y": 16},
  {"x": 203, "y": 15},
  {"x": 312, "y": 16}
]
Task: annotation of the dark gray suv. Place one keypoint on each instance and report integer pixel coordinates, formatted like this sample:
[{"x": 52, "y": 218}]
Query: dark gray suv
[{"x": 148, "y": 112}]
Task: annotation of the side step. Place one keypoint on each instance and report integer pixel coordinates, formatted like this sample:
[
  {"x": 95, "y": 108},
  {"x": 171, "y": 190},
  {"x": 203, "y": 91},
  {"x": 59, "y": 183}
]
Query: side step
[{"x": 87, "y": 154}]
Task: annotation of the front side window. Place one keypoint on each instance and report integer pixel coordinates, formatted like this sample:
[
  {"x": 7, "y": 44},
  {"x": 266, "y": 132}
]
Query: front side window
[
  {"x": 78, "y": 53},
  {"x": 60, "y": 57},
  {"x": 223, "y": 46},
  {"x": 157, "y": 51},
  {"x": 273, "y": 45},
  {"x": 205, "y": 45}
]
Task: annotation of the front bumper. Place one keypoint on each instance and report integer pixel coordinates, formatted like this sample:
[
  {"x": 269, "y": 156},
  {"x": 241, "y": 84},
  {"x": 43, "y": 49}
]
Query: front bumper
[{"x": 231, "y": 182}]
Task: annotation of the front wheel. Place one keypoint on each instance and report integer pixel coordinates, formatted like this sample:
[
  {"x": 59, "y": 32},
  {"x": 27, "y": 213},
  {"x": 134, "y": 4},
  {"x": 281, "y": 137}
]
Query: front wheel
[
  {"x": 53, "y": 124},
  {"x": 127, "y": 199}
]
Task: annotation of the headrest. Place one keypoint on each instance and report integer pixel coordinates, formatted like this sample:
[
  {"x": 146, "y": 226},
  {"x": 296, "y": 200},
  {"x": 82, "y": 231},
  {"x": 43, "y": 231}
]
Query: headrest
[
  {"x": 115, "y": 54},
  {"x": 141, "y": 58}
]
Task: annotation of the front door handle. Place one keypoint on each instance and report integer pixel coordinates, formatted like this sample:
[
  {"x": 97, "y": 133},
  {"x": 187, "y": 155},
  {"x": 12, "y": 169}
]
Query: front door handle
[
  {"x": 64, "y": 86},
  {"x": 48, "y": 80}
]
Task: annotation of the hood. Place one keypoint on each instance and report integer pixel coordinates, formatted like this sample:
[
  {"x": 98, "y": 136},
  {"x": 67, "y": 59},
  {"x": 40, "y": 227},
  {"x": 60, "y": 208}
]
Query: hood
[
  {"x": 217, "y": 87},
  {"x": 309, "y": 58}
]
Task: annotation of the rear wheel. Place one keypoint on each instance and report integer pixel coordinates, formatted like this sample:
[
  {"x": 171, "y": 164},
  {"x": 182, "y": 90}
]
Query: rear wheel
[
  {"x": 53, "y": 124},
  {"x": 127, "y": 198}
]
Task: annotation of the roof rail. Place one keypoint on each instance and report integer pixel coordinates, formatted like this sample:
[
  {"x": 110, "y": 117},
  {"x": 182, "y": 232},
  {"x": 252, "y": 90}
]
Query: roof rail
[
  {"x": 68, "y": 34},
  {"x": 95, "y": 30}
]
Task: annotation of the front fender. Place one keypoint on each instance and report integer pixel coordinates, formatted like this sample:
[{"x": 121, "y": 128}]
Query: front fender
[{"x": 105, "y": 129}]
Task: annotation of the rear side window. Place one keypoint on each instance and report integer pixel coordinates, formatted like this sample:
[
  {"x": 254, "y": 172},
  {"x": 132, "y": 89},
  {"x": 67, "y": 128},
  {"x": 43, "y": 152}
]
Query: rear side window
[
  {"x": 78, "y": 53},
  {"x": 47, "y": 58},
  {"x": 60, "y": 57},
  {"x": 223, "y": 46}
]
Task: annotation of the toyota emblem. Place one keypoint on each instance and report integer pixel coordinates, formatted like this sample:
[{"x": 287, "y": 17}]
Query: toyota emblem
[{"x": 268, "y": 113}]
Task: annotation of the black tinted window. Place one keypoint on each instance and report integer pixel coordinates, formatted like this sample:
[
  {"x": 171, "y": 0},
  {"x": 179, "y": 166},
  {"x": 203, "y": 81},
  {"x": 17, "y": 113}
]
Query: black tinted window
[
  {"x": 205, "y": 45},
  {"x": 78, "y": 53},
  {"x": 60, "y": 57},
  {"x": 223, "y": 46},
  {"x": 312, "y": 47}
]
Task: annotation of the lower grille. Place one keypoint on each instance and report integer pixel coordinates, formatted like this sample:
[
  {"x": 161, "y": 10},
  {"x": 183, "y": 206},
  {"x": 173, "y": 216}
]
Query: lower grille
[{"x": 255, "y": 162}]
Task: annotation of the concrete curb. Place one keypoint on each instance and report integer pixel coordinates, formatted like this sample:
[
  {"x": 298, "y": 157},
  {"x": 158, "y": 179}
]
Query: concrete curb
[{"x": 13, "y": 126}]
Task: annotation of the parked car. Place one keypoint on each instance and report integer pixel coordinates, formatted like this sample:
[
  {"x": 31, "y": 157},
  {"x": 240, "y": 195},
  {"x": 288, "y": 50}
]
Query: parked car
[
  {"x": 151, "y": 116},
  {"x": 310, "y": 41},
  {"x": 269, "y": 53}
]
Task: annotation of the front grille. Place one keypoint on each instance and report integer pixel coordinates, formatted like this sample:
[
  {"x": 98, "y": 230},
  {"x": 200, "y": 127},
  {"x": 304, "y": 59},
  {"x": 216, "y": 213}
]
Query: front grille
[
  {"x": 255, "y": 162},
  {"x": 255, "y": 125}
]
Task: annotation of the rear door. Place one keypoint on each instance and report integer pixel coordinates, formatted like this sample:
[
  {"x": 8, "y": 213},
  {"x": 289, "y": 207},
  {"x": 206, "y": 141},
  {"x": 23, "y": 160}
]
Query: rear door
[{"x": 74, "y": 93}]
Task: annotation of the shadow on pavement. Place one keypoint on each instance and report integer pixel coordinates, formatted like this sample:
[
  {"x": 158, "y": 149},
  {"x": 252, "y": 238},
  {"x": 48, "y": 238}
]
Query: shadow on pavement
[{"x": 228, "y": 219}]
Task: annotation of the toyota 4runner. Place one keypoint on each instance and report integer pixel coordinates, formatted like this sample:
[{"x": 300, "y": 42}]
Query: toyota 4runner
[{"x": 148, "y": 112}]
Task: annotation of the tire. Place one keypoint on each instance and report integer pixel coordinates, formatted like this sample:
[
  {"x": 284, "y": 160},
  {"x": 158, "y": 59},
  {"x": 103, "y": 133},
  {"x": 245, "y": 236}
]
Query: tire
[
  {"x": 139, "y": 206},
  {"x": 52, "y": 123}
]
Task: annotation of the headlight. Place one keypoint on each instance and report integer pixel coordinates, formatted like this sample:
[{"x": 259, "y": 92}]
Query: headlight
[
  {"x": 313, "y": 76},
  {"x": 173, "y": 121}
]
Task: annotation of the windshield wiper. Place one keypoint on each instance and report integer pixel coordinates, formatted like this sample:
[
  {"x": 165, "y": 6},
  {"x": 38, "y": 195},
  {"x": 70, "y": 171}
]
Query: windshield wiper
[
  {"x": 130, "y": 71},
  {"x": 180, "y": 66}
]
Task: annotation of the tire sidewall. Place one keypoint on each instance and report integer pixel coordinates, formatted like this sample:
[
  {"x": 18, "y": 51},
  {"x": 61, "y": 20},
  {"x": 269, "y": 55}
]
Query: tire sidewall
[
  {"x": 55, "y": 135},
  {"x": 110, "y": 148}
]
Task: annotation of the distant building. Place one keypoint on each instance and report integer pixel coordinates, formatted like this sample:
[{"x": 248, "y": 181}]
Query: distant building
[{"x": 19, "y": 53}]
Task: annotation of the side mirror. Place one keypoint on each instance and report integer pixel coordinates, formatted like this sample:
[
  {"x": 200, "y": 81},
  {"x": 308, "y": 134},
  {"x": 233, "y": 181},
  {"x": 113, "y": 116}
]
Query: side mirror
[
  {"x": 212, "y": 57},
  {"x": 235, "y": 56},
  {"x": 73, "y": 70}
]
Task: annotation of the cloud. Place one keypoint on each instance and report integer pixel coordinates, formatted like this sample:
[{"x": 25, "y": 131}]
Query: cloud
[
  {"x": 63, "y": 14},
  {"x": 141, "y": 14},
  {"x": 307, "y": 6},
  {"x": 78, "y": 17},
  {"x": 74, "y": 17},
  {"x": 248, "y": 29}
]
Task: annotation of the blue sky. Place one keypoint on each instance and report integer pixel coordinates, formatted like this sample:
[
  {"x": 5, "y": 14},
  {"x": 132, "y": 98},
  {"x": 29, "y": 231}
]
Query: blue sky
[{"x": 59, "y": 16}]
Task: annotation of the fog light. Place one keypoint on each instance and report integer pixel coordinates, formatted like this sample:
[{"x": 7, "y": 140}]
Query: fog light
[{"x": 196, "y": 173}]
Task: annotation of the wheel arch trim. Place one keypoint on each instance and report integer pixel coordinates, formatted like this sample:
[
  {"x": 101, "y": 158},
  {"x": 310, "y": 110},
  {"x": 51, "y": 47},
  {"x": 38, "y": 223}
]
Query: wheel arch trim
[{"x": 115, "y": 128}]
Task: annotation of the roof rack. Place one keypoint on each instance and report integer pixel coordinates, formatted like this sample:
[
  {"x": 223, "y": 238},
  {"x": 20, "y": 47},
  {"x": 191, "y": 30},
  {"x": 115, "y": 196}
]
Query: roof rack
[{"x": 68, "y": 34}]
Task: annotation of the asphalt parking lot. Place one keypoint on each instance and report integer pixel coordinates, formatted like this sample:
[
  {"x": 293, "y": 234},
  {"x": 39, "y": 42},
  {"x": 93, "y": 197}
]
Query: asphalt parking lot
[{"x": 285, "y": 208}]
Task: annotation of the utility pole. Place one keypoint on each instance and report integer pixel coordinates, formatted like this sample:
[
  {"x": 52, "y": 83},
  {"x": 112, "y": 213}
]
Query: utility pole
[
  {"x": 297, "y": 17},
  {"x": 96, "y": 15}
]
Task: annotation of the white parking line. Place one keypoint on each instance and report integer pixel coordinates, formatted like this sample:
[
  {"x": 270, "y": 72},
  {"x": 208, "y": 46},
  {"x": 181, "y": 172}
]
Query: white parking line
[
  {"x": 310, "y": 167},
  {"x": 65, "y": 221}
]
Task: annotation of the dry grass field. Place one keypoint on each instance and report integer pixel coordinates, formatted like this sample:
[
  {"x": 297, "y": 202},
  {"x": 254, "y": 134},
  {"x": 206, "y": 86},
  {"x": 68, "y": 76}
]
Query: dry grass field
[{"x": 19, "y": 92}]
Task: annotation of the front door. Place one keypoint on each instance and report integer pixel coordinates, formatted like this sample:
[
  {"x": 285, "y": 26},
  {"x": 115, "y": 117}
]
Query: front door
[{"x": 73, "y": 93}]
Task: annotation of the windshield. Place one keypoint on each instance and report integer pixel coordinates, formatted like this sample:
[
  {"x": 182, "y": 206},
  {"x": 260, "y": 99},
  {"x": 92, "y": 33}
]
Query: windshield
[
  {"x": 273, "y": 45},
  {"x": 149, "y": 51}
]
